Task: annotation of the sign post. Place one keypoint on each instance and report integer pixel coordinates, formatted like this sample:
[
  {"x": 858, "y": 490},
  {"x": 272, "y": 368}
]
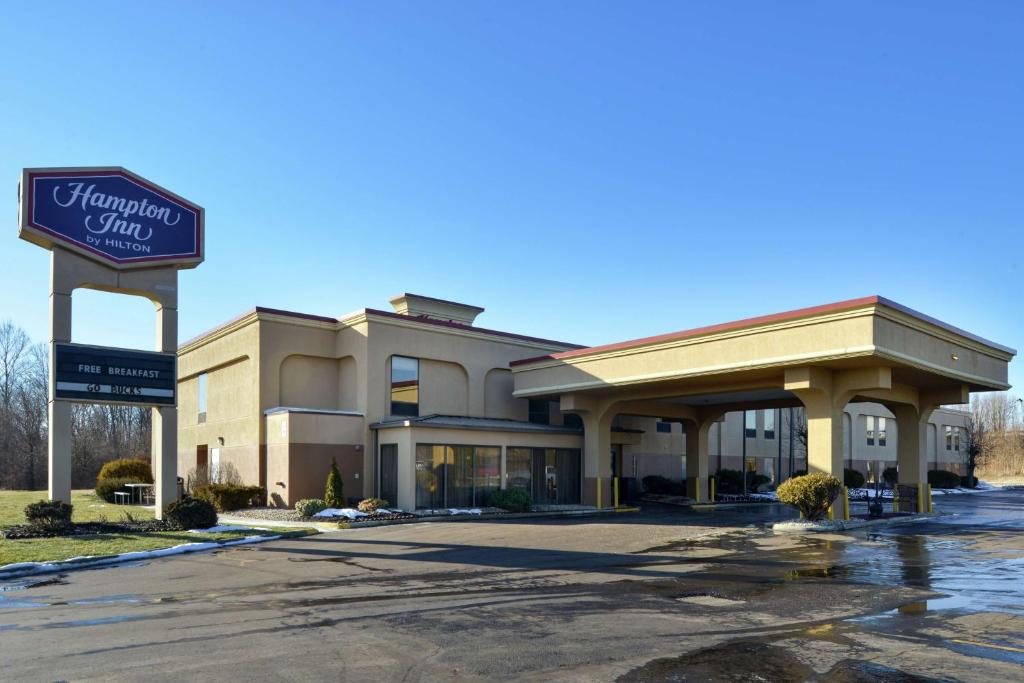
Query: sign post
[{"x": 111, "y": 230}]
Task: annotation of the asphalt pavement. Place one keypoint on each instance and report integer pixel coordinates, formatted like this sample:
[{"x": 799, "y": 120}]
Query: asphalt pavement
[{"x": 665, "y": 594}]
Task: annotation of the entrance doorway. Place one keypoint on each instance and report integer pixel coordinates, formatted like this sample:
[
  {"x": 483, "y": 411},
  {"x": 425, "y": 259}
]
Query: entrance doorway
[{"x": 387, "y": 485}]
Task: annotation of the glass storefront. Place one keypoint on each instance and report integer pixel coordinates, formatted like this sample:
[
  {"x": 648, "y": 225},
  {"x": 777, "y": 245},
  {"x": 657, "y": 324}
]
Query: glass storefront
[
  {"x": 550, "y": 475},
  {"x": 456, "y": 476}
]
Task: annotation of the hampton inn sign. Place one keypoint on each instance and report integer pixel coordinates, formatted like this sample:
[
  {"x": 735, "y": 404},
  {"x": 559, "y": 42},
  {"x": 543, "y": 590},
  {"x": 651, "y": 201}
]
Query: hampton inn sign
[
  {"x": 111, "y": 230},
  {"x": 112, "y": 214}
]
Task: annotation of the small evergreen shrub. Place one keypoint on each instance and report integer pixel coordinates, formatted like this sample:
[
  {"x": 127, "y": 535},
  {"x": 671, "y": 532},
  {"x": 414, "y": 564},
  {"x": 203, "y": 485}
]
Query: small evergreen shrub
[
  {"x": 51, "y": 515},
  {"x": 226, "y": 497},
  {"x": 371, "y": 504},
  {"x": 969, "y": 482},
  {"x": 942, "y": 479},
  {"x": 811, "y": 494},
  {"x": 333, "y": 495},
  {"x": 134, "y": 469},
  {"x": 106, "y": 488},
  {"x": 191, "y": 513},
  {"x": 853, "y": 479},
  {"x": 307, "y": 507},
  {"x": 890, "y": 475},
  {"x": 653, "y": 483},
  {"x": 731, "y": 481},
  {"x": 511, "y": 500}
]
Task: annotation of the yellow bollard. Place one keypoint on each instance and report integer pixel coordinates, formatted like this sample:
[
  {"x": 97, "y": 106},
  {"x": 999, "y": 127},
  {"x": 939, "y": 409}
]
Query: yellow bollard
[
  {"x": 615, "y": 491},
  {"x": 929, "y": 497},
  {"x": 895, "y": 498},
  {"x": 711, "y": 483},
  {"x": 696, "y": 489},
  {"x": 846, "y": 504},
  {"x": 920, "y": 497},
  {"x": 832, "y": 511},
  {"x": 599, "y": 493}
]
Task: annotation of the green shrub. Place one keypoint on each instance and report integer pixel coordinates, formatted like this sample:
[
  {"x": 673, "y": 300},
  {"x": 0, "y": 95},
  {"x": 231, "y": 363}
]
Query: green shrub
[
  {"x": 511, "y": 500},
  {"x": 191, "y": 513},
  {"x": 133, "y": 469},
  {"x": 890, "y": 475},
  {"x": 853, "y": 479},
  {"x": 371, "y": 504},
  {"x": 811, "y": 494},
  {"x": 333, "y": 494},
  {"x": 106, "y": 488},
  {"x": 52, "y": 515},
  {"x": 969, "y": 482},
  {"x": 731, "y": 481},
  {"x": 226, "y": 497},
  {"x": 941, "y": 479},
  {"x": 307, "y": 507},
  {"x": 654, "y": 483}
]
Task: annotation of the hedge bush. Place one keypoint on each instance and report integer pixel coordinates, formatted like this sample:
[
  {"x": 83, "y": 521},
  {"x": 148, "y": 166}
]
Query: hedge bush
[
  {"x": 307, "y": 507},
  {"x": 511, "y": 500},
  {"x": 811, "y": 494},
  {"x": 371, "y": 504},
  {"x": 51, "y": 515},
  {"x": 225, "y": 497},
  {"x": 134, "y": 469},
  {"x": 191, "y": 513},
  {"x": 941, "y": 479},
  {"x": 853, "y": 479},
  {"x": 106, "y": 488},
  {"x": 333, "y": 494},
  {"x": 969, "y": 482},
  {"x": 656, "y": 484},
  {"x": 731, "y": 481},
  {"x": 890, "y": 475}
]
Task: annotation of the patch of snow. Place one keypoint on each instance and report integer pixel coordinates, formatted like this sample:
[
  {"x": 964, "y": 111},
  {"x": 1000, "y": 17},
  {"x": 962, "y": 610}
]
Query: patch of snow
[
  {"x": 22, "y": 568},
  {"x": 347, "y": 513},
  {"x": 464, "y": 511}
]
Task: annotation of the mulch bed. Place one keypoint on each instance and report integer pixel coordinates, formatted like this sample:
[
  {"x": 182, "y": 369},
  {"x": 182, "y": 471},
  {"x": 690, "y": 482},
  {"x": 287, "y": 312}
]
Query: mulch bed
[{"x": 87, "y": 528}]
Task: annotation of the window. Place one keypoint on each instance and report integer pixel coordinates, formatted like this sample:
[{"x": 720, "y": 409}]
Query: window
[
  {"x": 769, "y": 424},
  {"x": 750, "y": 423},
  {"x": 405, "y": 386},
  {"x": 201, "y": 383},
  {"x": 572, "y": 420},
  {"x": 540, "y": 411},
  {"x": 456, "y": 476},
  {"x": 949, "y": 438},
  {"x": 870, "y": 422},
  {"x": 550, "y": 475},
  {"x": 881, "y": 431},
  {"x": 956, "y": 438},
  {"x": 664, "y": 427}
]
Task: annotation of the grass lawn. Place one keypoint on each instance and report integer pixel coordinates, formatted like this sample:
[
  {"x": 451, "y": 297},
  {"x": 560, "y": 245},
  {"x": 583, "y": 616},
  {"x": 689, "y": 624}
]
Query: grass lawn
[{"x": 89, "y": 508}]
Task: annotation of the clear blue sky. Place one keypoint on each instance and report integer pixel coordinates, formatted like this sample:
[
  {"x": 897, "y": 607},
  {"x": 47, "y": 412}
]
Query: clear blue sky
[{"x": 586, "y": 171}]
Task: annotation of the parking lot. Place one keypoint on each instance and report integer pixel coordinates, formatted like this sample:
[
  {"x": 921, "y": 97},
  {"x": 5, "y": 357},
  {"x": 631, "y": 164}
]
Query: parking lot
[{"x": 659, "y": 595}]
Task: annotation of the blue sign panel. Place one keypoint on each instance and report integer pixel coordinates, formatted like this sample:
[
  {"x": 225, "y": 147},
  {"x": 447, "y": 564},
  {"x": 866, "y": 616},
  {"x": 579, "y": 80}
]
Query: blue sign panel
[{"x": 112, "y": 215}]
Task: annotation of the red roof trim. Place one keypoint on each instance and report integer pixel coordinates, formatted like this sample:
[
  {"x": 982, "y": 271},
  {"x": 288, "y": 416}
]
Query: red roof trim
[{"x": 759, "y": 320}]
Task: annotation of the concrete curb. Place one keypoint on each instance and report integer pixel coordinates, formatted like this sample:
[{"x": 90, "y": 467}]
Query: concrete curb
[
  {"x": 27, "y": 569},
  {"x": 848, "y": 525},
  {"x": 343, "y": 523}
]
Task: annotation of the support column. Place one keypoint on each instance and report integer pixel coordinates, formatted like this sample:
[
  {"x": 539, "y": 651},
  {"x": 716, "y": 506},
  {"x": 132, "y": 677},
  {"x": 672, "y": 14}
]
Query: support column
[
  {"x": 697, "y": 450},
  {"x": 824, "y": 410},
  {"x": 911, "y": 441},
  {"x": 58, "y": 412},
  {"x": 165, "y": 419},
  {"x": 597, "y": 458}
]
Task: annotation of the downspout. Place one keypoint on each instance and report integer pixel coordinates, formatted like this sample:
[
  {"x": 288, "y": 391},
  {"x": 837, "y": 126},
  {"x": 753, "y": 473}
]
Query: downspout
[
  {"x": 778, "y": 437},
  {"x": 743, "y": 435}
]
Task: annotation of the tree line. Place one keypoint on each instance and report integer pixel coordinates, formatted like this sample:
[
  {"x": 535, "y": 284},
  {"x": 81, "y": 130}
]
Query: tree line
[
  {"x": 98, "y": 432},
  {"x": 995, "y": 436}
]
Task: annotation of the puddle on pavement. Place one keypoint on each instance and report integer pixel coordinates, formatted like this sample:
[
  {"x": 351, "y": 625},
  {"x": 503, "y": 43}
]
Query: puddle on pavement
[{"x": 757, "y": 661}]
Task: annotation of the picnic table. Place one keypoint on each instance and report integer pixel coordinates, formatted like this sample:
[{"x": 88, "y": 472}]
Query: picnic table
[{"x": 138, "y": 491}]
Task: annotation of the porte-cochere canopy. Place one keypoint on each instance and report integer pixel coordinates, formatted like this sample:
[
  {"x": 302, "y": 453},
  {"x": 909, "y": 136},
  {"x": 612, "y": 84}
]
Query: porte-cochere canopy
[{"x": 823, "y": 357}]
